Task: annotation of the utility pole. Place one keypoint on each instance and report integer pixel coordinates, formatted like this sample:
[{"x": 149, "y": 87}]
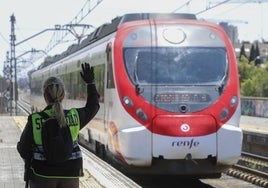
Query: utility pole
[
  {"x": 14, "y": 86},
  {"x": 8, "y": 76}
]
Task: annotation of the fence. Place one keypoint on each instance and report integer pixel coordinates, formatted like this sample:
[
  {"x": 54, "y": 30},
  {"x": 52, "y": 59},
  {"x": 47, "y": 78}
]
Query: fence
[{"x": 253, "y": 106}]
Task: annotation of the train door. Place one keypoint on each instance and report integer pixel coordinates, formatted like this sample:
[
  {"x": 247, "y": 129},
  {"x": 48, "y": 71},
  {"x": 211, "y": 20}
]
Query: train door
[{"x": 109, "y": 90}]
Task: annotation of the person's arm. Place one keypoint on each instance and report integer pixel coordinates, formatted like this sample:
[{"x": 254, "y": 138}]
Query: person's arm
[
  {"x": 24, "y": 146},
  {"x": 92, "y": 104}
]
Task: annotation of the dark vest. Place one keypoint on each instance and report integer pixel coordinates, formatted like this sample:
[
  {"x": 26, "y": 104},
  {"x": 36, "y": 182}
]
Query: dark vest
[{"x": 39, "y": 166}]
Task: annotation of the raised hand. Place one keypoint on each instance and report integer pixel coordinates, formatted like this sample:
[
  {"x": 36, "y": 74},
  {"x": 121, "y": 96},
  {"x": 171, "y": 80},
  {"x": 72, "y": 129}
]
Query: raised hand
[{"x": 87, "y": 73}]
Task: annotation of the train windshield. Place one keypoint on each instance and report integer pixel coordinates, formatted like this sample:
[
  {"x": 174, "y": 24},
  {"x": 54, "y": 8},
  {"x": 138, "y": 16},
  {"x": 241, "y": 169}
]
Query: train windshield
[{"x": 180, "y": 66}]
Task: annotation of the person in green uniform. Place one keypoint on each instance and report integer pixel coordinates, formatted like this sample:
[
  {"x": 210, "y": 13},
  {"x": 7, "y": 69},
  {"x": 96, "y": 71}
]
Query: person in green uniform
[{"x": 64, "y": 174}]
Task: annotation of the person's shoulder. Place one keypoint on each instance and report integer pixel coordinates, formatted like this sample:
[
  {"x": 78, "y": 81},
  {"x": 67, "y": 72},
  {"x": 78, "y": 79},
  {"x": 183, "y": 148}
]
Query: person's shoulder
[
  {"x": 31, "y": 115},
  {"x": 34, "y": 114},
  {"x": 70, "y": 110}
]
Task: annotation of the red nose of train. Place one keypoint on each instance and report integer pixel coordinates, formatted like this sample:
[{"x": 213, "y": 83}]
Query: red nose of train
[{"x": 184, "y": 125}]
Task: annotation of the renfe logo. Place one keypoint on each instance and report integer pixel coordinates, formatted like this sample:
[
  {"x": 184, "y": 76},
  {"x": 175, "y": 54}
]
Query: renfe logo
[{"x": 185, "y": 143}]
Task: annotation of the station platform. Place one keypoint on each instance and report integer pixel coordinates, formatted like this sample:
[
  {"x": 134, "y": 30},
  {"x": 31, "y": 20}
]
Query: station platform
[
  {"x": 11, "y": 165},
  {"x": 254, "y": 124}
]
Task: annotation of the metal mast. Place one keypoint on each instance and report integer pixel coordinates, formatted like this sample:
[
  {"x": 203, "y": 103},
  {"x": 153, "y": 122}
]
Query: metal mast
[{"x": 13, "y": 67}]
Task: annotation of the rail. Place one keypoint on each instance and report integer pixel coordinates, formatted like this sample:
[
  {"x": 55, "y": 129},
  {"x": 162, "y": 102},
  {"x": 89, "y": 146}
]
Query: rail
[
  {"x": 24, "y": 106},
  {"x": 251, "y": 168}
]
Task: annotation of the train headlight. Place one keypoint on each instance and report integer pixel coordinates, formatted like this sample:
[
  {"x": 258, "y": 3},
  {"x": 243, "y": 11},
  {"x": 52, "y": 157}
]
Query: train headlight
[
  {"x": 127, "y": 101},
  {"x": 233, "y": 101},
  {"x": 174, "y": 35},
  {"x": 141, "y": 114},
  {"x": 225, "y": 111},
  {"x": 224, "y": 114}
]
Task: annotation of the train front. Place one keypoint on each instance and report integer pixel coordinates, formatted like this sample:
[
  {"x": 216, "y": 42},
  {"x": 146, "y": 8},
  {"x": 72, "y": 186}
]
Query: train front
[{"x": 178, "y": 80}]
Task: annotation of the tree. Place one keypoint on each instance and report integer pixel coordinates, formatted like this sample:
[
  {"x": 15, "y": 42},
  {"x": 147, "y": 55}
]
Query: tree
[
  {"x": 244, "y": 69},
  {"x": 242, "y": 52},
  {"x": 253, "y": 79},
  {"x": 252, "y": 53},
  {"x": 265, "y": 85},
  {"x": 257, "y": 55},
  {"x": 266, "y": 66},
  {"x": 248, "y": 88},
  {"x": 258, "y": 81}
]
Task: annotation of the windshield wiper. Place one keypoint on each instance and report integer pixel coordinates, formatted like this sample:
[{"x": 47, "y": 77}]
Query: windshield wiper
[
  {"x": 138, "y": 88},
  {"x": 221, "y": 84}
]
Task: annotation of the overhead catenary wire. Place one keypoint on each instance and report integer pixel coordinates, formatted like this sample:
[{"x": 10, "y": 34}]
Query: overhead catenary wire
[
  {"x": 57, "y": 37},
  {"x": 4, "y": 39},
  {"x": 221, "y": 3},
  {"x": 242, "y": 2},
  {"x": 185, "y": 4}
]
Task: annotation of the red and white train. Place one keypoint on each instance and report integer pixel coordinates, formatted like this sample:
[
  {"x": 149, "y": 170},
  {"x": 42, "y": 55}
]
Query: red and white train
[{"x": 169, "y": 89}]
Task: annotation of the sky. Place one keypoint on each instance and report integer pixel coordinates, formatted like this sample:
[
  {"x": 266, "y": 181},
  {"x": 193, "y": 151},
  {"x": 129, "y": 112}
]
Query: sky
[{"x": 33, "y": 16}]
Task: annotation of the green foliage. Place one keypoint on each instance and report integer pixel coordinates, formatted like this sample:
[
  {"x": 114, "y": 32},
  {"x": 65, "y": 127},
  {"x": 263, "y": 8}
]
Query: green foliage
[
  {"x": 244, "y": 69},
  {"x": 265, "y": 82},
  {"x": 265, "y": 65},
  {"x": 253, "y": 78},
  {"x": 247, "y": 88}
]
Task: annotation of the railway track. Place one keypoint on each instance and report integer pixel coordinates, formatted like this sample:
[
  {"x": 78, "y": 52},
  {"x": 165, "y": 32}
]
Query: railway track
[
  {"x": 24, "y": 106},
  {"x": 251, "y": 168}
]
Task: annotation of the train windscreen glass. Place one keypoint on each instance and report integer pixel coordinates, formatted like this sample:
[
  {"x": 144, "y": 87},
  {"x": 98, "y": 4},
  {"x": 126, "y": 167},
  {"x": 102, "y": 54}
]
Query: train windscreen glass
[{"x": 180, "y": 66}]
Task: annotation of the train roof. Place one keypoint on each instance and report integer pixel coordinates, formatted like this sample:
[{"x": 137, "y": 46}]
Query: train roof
[
  {"x": 148, "y": 16},
  {"x": 107, "y": 29}
]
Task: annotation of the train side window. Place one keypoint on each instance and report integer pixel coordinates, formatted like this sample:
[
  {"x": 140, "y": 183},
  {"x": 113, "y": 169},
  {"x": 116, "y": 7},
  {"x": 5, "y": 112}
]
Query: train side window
[
  {"x": 81, "y": 89},
  {"x": 99, "y": 80},
  {"x": 78, "y": 64},
  {"x": 110, "y": 79}
]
